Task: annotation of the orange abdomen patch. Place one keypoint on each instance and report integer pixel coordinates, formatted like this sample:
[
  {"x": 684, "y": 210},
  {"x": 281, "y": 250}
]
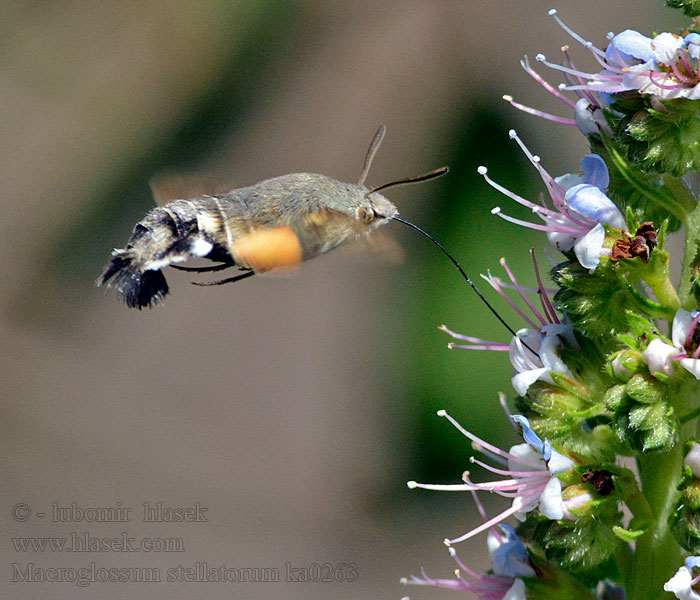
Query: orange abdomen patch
[{"x": 268, "y": 249}]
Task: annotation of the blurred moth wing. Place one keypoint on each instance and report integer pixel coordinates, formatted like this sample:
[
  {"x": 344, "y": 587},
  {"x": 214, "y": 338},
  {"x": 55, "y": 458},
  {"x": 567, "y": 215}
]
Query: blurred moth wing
[{"x": 169, "y": 185}]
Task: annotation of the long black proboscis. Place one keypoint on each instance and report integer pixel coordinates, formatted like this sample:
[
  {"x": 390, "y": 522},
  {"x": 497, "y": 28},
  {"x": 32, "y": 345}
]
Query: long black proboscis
[{"x": 461, "y": 270}]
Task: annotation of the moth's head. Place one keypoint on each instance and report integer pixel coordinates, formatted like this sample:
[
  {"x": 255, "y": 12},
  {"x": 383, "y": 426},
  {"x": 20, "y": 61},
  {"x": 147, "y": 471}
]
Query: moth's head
[{"x": 375, "y": 210}]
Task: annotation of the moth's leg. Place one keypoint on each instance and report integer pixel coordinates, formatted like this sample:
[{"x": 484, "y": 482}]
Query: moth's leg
[
  {"x": 209, "y": 269},
  {"x": 229, "y": 280}
]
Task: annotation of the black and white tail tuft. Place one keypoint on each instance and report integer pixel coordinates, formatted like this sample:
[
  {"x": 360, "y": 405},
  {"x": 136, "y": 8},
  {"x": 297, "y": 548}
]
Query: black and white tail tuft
[{"x": 137, "y": 287}]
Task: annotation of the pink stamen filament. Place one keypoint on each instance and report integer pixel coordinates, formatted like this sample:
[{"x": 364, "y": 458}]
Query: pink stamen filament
[
  {"x": 490, "y": 455},
  {"x": 484, "y": 517},
  {"x": 494, "y": 283},
  {"x": 504, "y": 406},
  {"x": 501, "y": 490},
  {"x": 556, "y": 191},
  {"x": 464, "y": 567},
  {"x": 520, "y": 490},
  {"x": 447, "y": 487},
  {"x": 576, "y": 36},
  {"x": 574, "y": 72},
  {"x": 538, "y": 473},
  {"x": 466, "y": 338},
  {"x": 537, "y": 226},
  {"x": 547, "y": 86},
  {"x": 661, "y": 85},
  {"x": 520, "y": 495},
  {"x": 612, "y": 68},
  {"x": 519, "y": 199},
  {"x": 681, "y": 76},
  {"x": 480, "y": 507},
  {"x": 546, "y": 302},
  {"x": 493, "y": 347},
  {"x": 691, "y": 330},
  {"x": 686, "y": 64},
  {"x": 552, "y": 186},
  {"x": 528, "y": 289},
  {"x": 584, "y": 93},
  {"x": 497, "y": 451},
  {"x": 539, "y": 113},
  {"x": 520, "y": 291},
  {"x": 487, "y": 525}
]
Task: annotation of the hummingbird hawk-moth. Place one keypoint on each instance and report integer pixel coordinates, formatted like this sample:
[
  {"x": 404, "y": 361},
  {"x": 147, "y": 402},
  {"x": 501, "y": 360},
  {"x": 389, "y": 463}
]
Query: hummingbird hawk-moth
[{"x": 273, "y": 225}]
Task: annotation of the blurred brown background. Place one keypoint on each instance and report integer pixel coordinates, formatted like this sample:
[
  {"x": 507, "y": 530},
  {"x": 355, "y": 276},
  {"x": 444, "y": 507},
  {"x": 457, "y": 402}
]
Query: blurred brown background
[{"x": 294, "y": 409}]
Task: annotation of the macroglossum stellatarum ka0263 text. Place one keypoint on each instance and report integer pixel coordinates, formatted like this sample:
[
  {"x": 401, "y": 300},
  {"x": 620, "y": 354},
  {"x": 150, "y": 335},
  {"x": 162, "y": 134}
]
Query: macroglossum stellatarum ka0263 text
[{"x": 273, "y": 225}]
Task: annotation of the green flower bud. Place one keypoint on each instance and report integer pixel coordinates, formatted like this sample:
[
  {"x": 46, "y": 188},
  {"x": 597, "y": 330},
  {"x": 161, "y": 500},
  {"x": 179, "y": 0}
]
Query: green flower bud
[
  {"x": 644, "y": 389},
  {"x": 616, "y": 399},
  {"x": 623, "y": 364},
  {"x": 648, "y": 427}
]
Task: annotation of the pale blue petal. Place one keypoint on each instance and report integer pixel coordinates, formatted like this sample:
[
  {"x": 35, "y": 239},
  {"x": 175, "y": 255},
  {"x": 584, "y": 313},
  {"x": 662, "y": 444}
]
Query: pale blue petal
[
  {"x": 559, "y": 463},
  {"x": 589, "y": 247},
  {"x": 595, "y": 171},
  {"x": 589, "y": 119},
  {"x": 629, "y": 45},
  {"x": 517, "y": 591},
  {"x": 511, "y": 558},
  {"x": 532, "y": 439},
  {"x": 551, "y": 502},
  {"x": 584, "y": 117},
  {"x": 522, "y": 381},
  {"x": 681, "y": 585},
  {"x": 692, "y": 41},
  {"x": 569, "y": 180},
  {"x": 589, "y": 201},
  {"x": 666, "y": 47},
  {"x": 606, "y": 98}
]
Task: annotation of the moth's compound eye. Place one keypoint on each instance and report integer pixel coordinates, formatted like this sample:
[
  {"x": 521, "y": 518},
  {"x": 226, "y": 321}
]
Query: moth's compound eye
[{"x": 365, "y": 214}]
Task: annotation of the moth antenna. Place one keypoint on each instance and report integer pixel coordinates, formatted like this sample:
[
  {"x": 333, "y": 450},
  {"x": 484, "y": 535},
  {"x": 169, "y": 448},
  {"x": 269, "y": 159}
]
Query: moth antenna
[
  {"x": 466, "y": 277},
  {"x": 371, "y": 151},
  {"x": 425, "y": 177}
]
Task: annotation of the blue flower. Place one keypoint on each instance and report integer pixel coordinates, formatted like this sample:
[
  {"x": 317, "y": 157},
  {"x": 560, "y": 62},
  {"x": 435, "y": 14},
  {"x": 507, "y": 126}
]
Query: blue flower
[
  {"x": 531, "y": 472},
  {"x": 579, "y": 212},
  {"x": 510, "y": 561},
  {"x": 534, "y": 349},
  {"x": 665, "y": 66}
]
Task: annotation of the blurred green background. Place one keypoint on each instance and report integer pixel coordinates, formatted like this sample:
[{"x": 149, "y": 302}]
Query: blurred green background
[{"x": 295, "y": 409}]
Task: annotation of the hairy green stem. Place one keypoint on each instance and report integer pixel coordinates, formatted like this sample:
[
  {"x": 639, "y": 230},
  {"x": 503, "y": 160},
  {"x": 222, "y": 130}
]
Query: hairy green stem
[
  {"x": 666, "y": 293},
  {"x": 657, "y": 555},
  {"x": 691, "y": 225}
]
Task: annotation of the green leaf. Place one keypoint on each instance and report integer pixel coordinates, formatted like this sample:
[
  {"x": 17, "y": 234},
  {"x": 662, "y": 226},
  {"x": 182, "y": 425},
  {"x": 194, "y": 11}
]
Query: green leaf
[
  {"x": 585, "y": 547},
  {"x": 660, "y": 136},
  {"x": 689, "y": 7}
]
